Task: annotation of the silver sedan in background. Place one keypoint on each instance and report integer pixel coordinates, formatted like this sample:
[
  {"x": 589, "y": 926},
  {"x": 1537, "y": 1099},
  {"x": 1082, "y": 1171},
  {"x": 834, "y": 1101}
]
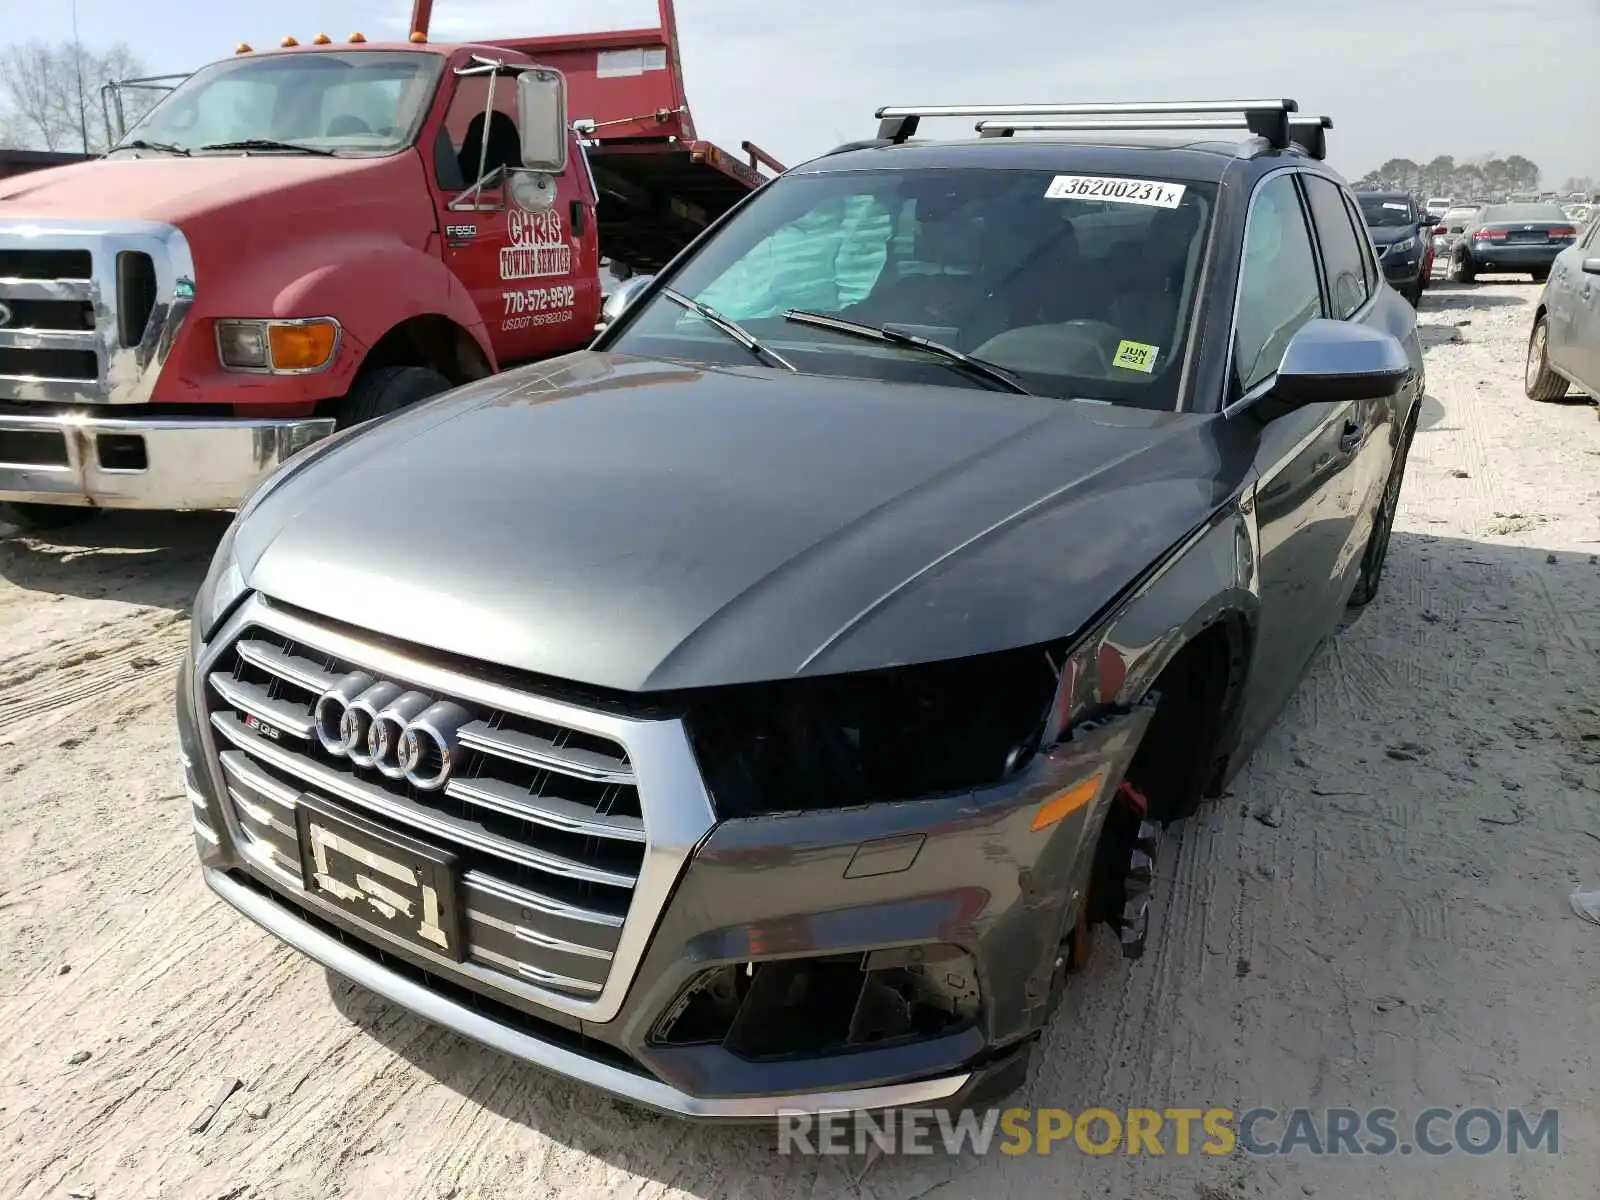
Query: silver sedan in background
[{"x": 1564, "y": 346}]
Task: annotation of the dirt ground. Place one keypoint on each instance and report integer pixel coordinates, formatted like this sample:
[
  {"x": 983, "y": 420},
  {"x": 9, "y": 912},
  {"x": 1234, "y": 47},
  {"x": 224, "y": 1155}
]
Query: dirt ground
[{"x": 1376, "y": 915}]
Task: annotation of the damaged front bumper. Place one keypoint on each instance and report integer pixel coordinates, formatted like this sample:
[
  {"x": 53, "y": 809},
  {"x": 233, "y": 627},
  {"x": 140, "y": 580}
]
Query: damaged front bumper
[{"x": 894, "y": 955}]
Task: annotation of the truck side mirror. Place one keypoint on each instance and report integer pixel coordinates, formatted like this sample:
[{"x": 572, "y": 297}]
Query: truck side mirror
[{"x": 542, "y": 106}]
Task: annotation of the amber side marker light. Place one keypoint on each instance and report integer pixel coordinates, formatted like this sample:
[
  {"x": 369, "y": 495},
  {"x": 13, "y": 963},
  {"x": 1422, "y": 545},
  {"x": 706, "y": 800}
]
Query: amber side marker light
[
  {"x": 243, "y": 48},
  {"x": 288, "y": 42},
  {"x": 321, "y": 39},
  {"x": 358, "y": 38},
  {"x": 301, "y": 347},
  {"x": 419, "y": 37},
  {"x": 1066, "y": 802}
]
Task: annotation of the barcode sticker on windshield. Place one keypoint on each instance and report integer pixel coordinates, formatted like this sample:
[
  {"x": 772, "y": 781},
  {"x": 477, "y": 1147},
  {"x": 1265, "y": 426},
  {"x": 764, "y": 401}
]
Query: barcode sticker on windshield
[
  {"x": 1136, "y": 356},
  {"x": 1117, "y": 191}
]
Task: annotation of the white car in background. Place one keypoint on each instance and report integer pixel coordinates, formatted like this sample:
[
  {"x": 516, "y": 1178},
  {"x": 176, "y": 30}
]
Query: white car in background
[{"x": 1447, "y": 230}]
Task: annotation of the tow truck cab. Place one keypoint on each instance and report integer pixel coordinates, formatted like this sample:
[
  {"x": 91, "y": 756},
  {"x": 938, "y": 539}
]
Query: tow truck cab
[{"x": 295, "y": 241}]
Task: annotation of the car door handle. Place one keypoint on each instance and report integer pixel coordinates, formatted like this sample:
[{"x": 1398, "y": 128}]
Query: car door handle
[{"x": 1351, "y": 437}]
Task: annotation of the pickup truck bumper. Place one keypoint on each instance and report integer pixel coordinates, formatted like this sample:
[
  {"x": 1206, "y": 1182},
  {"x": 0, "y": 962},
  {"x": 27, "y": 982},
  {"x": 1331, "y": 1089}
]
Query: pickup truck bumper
[{"x": 84, "y": 459}]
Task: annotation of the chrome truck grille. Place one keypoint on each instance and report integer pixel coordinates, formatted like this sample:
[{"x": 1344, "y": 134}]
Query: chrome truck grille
[
  {"x": 89, "y": 313},
  {"x": 562, "y": 864}
]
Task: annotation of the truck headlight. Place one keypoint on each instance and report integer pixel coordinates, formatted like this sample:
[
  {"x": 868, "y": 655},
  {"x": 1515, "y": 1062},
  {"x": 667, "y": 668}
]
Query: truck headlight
[{"x": 279, "y": 347}]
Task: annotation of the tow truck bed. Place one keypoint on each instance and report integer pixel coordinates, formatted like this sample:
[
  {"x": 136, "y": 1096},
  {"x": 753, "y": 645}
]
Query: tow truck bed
[{"x": 659, "y": 183}]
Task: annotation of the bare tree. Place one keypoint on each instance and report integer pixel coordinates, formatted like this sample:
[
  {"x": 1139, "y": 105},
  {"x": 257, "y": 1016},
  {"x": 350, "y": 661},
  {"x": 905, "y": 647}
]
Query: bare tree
[{"x": 50, "y": 94}]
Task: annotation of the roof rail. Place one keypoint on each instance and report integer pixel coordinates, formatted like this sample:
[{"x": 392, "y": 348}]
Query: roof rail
[
  {"x": 1268, "y": 118},
  {"x": 1308, "y": 133}
]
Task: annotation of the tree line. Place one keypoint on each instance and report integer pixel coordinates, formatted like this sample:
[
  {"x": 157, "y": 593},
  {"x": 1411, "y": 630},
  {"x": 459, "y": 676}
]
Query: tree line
[
  {"x": 1446, "y": 176},
  {"x": 50, "y": 94}
]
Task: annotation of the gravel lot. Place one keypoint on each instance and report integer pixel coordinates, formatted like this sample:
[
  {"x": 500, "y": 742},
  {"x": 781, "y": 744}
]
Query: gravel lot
[{"x": 1396, "y": 931}]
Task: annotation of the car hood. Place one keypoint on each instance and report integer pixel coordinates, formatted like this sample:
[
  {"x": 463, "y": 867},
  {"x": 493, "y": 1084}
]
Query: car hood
[
  {"x": 642, "y": 525},
  {"x": 174, "y": 189}
]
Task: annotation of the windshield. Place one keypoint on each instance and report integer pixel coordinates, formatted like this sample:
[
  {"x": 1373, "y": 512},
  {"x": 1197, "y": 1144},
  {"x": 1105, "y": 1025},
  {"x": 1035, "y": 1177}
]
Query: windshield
[
  {"x": 1388, "y": 212},
  {"x": 1073, "y": 286},
  {"x": 357, "y": 102}
]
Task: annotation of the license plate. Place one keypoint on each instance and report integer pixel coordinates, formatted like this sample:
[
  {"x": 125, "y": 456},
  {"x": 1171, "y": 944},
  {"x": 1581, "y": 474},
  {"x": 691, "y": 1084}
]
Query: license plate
[
  {"x": 397, "y": 884},
  {"x": 1528, "y": 236}
]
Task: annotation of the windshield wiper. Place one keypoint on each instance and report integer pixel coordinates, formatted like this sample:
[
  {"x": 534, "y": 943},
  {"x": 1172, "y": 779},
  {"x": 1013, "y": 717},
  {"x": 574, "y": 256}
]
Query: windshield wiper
[
  {"x": 163, "y": 147},
  {"x": 732, "y": 328},
  {"x": 994, "y": 374},
  {"x": 267, "y": 144}
]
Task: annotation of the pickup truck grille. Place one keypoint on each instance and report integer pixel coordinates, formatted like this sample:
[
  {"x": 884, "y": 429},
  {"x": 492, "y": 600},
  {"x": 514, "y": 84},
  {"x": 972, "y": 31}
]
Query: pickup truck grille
[
  {"x": 89, "y": 315},
  {"x": 545, "y": 820}
]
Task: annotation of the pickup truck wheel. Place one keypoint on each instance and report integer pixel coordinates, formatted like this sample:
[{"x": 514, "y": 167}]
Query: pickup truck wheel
[
  {"x": 1377, "y": 550},
  {"x": 386, "y": 390},
  {"x": 32, "y": 518},
  {"x": 1538, "y": 380}
]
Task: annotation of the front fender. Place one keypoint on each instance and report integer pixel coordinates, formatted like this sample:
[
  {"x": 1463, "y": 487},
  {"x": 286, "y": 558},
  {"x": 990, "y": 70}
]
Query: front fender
[{"x": 369, "y": 282}]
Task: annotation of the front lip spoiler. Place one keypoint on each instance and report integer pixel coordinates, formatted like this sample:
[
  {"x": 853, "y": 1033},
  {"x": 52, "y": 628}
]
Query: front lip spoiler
[{"x": 651, "y": 1093}]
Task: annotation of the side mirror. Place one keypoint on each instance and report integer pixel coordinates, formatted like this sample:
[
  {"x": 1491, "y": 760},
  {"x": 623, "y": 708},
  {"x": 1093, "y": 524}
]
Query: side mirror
[
  {"x": 542, "y": 109},
  {"x": 1336, "y": 361},
  {"x": 626, "y": 293},
  {"x": 1591, "y": 266}
]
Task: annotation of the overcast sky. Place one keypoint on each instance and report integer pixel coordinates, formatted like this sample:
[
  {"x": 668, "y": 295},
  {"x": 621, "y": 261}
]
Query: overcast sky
[{"x": 1399, "y": 77}]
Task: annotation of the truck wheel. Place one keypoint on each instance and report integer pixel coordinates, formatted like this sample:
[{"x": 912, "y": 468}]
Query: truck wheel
[
  {"x": 1538, "y": 380},
  {"x": 386, "y": 390},
  {"x": 37, "y": 518}
]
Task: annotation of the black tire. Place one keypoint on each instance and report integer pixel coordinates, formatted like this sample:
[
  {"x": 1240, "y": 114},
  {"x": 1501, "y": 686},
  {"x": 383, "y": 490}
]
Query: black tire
[
  {"x": 39, "y": 518},
  {"x": 385, "y": 390},
  {"x": 1413, "y": 294},
  {"x": 1540, "y": 276},
  {"x": 1538, "y": 380},
  {"x": 1377, "y": 551},
  {"x": 1462, "y": 269}
]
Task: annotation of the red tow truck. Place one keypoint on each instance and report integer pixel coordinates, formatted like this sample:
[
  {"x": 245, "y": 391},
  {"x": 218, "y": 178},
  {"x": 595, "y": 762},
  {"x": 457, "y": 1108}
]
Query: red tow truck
[{"x": 298, "y": 240}]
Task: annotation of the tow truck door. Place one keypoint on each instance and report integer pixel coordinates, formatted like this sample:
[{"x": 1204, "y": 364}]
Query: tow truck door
[{"x": 533, "y": 275}]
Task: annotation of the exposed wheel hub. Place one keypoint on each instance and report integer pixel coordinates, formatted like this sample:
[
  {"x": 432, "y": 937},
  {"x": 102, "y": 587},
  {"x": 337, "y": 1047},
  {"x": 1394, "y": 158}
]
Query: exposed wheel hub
[{"x": 1124, "y": 872}]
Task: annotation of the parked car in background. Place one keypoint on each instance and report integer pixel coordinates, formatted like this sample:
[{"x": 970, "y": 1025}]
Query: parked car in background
[
  {"x": 1449, "y": 228},
  {"x": 1400, "y": 232},
  {"x": 1564, "y": 345},
  {"x": 1437, "y": 206},
  {"x": 1520, "y": 239}
]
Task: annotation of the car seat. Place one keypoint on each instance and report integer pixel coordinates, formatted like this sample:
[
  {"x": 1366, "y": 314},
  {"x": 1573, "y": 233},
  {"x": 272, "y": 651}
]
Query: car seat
[
  {"x": 505, "y": 145},
  {"x": 346, "y": 124},
  {"x": 1147, "y": 308}
]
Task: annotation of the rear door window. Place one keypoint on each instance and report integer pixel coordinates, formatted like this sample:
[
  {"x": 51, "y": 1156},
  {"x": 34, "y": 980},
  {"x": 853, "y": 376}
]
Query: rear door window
[{"x": 1343, "y": 250}]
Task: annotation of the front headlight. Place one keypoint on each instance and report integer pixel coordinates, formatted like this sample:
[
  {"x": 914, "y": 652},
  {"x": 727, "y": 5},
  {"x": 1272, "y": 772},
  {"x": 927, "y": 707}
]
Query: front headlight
[
  {"x": 1404, "y": 246},
  {"x": 219, "y": 592},
  {"x": 900, "y": 733},
  {"x": 279, "y": 347}
]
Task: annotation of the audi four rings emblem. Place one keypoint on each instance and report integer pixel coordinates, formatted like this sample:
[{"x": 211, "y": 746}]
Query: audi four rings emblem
[{"x": 403, "y": 734}]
